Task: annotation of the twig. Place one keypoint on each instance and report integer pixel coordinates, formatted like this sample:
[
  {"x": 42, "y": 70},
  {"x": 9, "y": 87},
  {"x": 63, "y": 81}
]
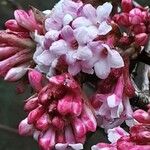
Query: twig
[{"x": 8, "y": 129}]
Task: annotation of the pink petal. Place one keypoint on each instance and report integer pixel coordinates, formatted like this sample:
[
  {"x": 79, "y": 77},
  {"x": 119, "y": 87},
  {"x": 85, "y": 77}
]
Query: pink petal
[
  {"x": 59, "y": 47},
  {"x": 82, "y": 35},
  {"x": 67, "y": 19},
  {"x": 104, "y": 11},
  {"x": 50, "y": 23},
  {"x": 77, "y": 146},
  {"x": 61, "y": 146},
  {"x": 83, "y": 53},
  {"x": 45, "y": 58},
  {"x": 81, "y": 21},
  {"x": 67, "y": 34},
  {"x": 115, "y": 134},
  {"x": 90, "y": 12},
  {"x": 74, "y": 69},
  {"x": 104, "y": 28},
  {"x": 102, "y": 68}
]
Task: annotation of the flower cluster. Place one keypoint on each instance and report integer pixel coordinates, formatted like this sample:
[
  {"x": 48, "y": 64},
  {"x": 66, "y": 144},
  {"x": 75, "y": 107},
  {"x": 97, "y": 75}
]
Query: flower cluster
[
  {"x": 138, "y": 139},
  {"x": 62, "y": 52},
  {"x": 136, "y": 20},
  {"x": 58, "y": 115},
  {"x": 74, "y": 33}
]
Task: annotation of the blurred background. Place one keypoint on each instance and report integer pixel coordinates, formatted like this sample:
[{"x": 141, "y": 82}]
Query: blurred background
[{"x": 11, "y": 104}]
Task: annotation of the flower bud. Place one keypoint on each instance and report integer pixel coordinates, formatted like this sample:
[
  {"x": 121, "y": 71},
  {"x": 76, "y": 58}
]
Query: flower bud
[
  {"x": 140, "y": 28},
  {"x": 31, "y": 104},
  {"x": 43, "y": 122},
  {"x": 35, "y": 79},
  {"x": 126, "y": 5},
  {"x": 16, "y": 73},
  {"x": 58, "y": 123},
  {"x": 142, "y": 116},
  {"x": 25, "y": 129},
  {"x": 135, "y": 16},
  {"x": 79, "y": 127},
  {"x": 47, "y": 140},
  {"x": 27, "y": 20},
  {"x": 35, "y": 114},
  {"x": 13, "y": 25},
  {"x": 122, "y": 19},
  {"x": 141, "y": 39}
]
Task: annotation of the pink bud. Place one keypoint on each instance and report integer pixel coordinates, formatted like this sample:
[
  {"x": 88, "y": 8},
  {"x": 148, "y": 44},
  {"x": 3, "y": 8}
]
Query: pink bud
[
  {"x": 27, "y": 20},
  {"x": 35, "y": 114},
  {"x": 140, "y": 134},
  {"x": 13, "y": 25},
  {"x": 124, "y": 40},
  {"x": 25, "y": 128},
  {"x": 58, "y": 123},
  {"x": 139, "y": 28},
  {"x": 43, "y": 122},
  {"x": 35, "y": 79},
  {"x": 142, "y": 116},
  {"x": 6, "y": 52},
  {"x": 10, "y": 62},
  {"x": 60, "y": 137},
  {"x": 69, "y": 136},
  {"x": 126, "y": 5},
  {"x": 88, "y": 119},
  {"x": 141, "y": 39},
  {"x": 135, "y": 16},
  {"x": 31, "y": 104},
  {"x": 122, "y": 19},
  {"x": 70, "y": 105},
  {"x": 47, "y": 140},
  {"x": 16, "y": 73},
  {"x": 79, "y": 127}
]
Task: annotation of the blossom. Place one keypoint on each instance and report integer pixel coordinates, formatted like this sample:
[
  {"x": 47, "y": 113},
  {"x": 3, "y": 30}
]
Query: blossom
[
  {"x": 104, "y": 59},
  {"x": 58, "y": 105}
]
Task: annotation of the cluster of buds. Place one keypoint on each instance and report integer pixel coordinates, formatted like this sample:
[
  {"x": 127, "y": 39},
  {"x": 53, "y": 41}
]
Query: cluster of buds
[
  {"x": 136, "y": 21},
  {"x": 138, "y": 139},
  {"x": 17, "y": 46},
  {"x": 58, "y": 114}
]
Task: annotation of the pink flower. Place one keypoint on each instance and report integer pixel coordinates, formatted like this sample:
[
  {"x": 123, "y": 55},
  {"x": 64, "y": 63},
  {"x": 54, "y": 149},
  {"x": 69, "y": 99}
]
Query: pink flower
[{"x": 104, "y": 59}]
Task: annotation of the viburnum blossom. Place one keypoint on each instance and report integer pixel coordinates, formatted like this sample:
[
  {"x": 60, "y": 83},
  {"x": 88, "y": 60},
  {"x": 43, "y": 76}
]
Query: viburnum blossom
[
  {"x": 58, "y": 114},
  {"x": 72, "y": 40},
  {"x": 137, "y": 139},
  {"x": 77, "y": 57}
]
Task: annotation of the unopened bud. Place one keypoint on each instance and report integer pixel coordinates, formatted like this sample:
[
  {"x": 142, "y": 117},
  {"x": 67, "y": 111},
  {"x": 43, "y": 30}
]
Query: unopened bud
[
  {"x": 35, "y": 79},
  {"x": 141, "y": 39},
  {"x": 126, "y": 5}
]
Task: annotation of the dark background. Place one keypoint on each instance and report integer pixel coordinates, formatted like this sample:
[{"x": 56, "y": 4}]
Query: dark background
[{"x": 11, "y": 104}]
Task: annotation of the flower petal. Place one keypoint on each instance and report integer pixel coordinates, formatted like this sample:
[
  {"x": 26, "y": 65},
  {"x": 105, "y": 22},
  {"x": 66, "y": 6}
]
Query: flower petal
[
  {"x": 67, "y": 19},
  {"x": 83, "y": 53},
  {"x": 77, "y": 146},
  {"x": 59, "y": 47},
  {"x": 67, "y": 34},
  {"x": 81, "y": 21},
  {"x": 74, "y": 69},
  {"x": 90, "y": 12},
  {"x": 104, "y": 28},
  {"x": 82, "y": 36},
  {"x": 115, "y": 134},
  {"x": 102, "y": 68},
  {"x": 104, "y": 11}
]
